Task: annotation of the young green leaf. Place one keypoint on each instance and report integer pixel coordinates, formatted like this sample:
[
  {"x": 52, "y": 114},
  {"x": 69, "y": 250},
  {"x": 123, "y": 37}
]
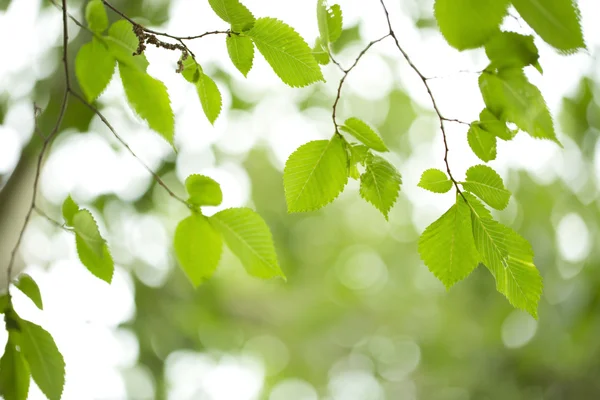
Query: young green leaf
[
  {"x": 511, "y": 50},
  {"x": 233, "y": 12},
  {"x": 45, "y": 361},
  {"x": 358, "y": 155},
  {"x": 482, "y": 142},
  {"x": 249, "y": 238},
  {"x": 334, "y": 22},
  {"x": 447, "y": 246},
  {"x": 203, "y": 191},
  {"x": 380, "y": 184},
  {"x": 435, "y": 181},
  {"x": 122, "y": 43},
  {"x": 489, "y": 122},
  {"x": 486, "y": 184},
  {"x": 150, "y": 100},
  {"x": 29, "y": 287},
  {"x": 14, "y": 373},
  {"x": 556, "y": 21},
  {"x": 210, "y": 97},
  {"x": 191, "y": 69},
  {"x": 364, "y": 133},
  {"x": 95, "y": 16},
  {"x": 286, "y": 52},
  {"x": 198, "y": 247},
  {"x": 94, "y": 67},
  {"x": 315, "y": 174},
  {"x": 69, "y": 209},
  {"x": 467, "y": 24},
  {"x": 509, "y": 95},
  {"x": 322, "y": 22},
  {"x": 91, "y": 247},
  {"x": 319, "y": 53},
  {"x": 508, "y": 257},
  {"x": 241, "y": 52}
]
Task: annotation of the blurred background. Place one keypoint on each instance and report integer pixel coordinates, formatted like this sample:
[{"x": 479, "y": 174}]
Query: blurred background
[{"x": 360, "y": 317}]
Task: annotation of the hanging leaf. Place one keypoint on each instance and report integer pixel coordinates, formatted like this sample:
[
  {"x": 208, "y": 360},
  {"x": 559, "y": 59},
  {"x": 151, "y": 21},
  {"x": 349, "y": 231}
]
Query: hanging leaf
[
  {"x": 482, "y": 142},
  {"x": 95, "y": 16},
  {"x": 149, "y": 99},
  {"x": 320, "y": 53},
  {"x": 249, "y": 238},
  {"x": 447, "y": 246},
  {"x": 203, "y": 191},
  {"x": 14, "y": 372},
  {"x": 94, "y": 67},
  {"x": 556, "y": 21},
  {"x": 489, "y": 122},
  {"x": 508, "y": 257},
  {"x": 210, "y": 97},
  {"x": 315, "y": 174},
  {"x": 509, "y": 95},
  {"x": 486, "y": 184},
  {"x": 512, "y": 50},
  {"x": 69, "y": 209},
  {"x": 198, "y": 248},
  {"x": 29, "y": 287},
  {"x": 435, "y": 181},
  {"x": 380, "y": 184},
  {"x": 122, "y": 43},
  {"x": 364, "y": 133},
  {"x": 241, "y": 52},
  {"x": 334, "y": 22},
  {"x": 233, "y": 12},
  {"x": 45, "y": 361},
  {"x": 467, "y": 24},
  {"x": 91, "y": 246},
  {"x": 286, "y": 52}
]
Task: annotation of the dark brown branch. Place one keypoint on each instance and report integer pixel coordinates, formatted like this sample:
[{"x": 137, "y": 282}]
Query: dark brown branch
[
  {"x": 45, "y": 145},
  {"x": 429, "y": 92},
  {"x": 346, "y": 72}
]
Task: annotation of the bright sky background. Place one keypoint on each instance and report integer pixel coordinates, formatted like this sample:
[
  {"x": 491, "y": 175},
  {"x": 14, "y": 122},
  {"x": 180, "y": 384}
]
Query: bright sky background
[{"x": 86, "y": 330}]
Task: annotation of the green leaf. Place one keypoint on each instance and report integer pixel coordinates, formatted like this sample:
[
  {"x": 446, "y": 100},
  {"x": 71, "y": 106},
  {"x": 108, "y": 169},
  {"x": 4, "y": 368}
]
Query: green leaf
[
  {"x": 509, "y": 258},
  {"x": 198, "y": 247},
  {"x": 486, "y": 184},
  {"x": 286, "y": 52},
  {"x": 233, "y": 12},
  {"x": 467, "y": 24},
  {"x": 241, "y": 52},
  {"x": 94, "y": 67},
  {"x": 334, "y": 22},
  {"x": 95, "y": 15},
  {"x": 511, "y": 50},
  {"x": 482, "y": 142},
  {"x": 447, "y": 246},
  {"x": 509, "y": 95},
  {"x": 150, "y": 100},
  {"x": 91, "y": 247},
  {"x": 358, "y": 155},
  {"x": 489, "y": 122},
  {"x": 315, "y": 174},
  {"x": 191, "y": 69},
  {"x": 435, "y": 181},
  {"x": 14, "y": 373},
  {"x": 556, "y": 21},
  {"x": 329, "y": 20},
  {"x": 4, "y": 303},
  {"x": 319, "y": 53},
  {"x": 69, "y": 209},
  {"x": 29, "y": 287},
  {"x": 380, "y": 184},
  {"x": 203, "y": 191},
  {"x": 122, "y": 43},
  {"x": 364, "y": 133},
  {"x": 210, "y": 97},
  {"x": 249, "y": 238},
  {"x": 45, "y": 361}
]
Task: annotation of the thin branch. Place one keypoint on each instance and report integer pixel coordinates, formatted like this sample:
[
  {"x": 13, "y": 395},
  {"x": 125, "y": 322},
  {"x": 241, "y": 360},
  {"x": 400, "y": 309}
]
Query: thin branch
[
  {"x": 72, "y": 18},
  {"x": 120, "y": 139},
  {"x": 346, "y": 72},
  {"x": 458, "y": 121},
  {"x": 52, "y": 220},
  {"x": 45, "y": 144},
  {"x": 429, "y": 92}
]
